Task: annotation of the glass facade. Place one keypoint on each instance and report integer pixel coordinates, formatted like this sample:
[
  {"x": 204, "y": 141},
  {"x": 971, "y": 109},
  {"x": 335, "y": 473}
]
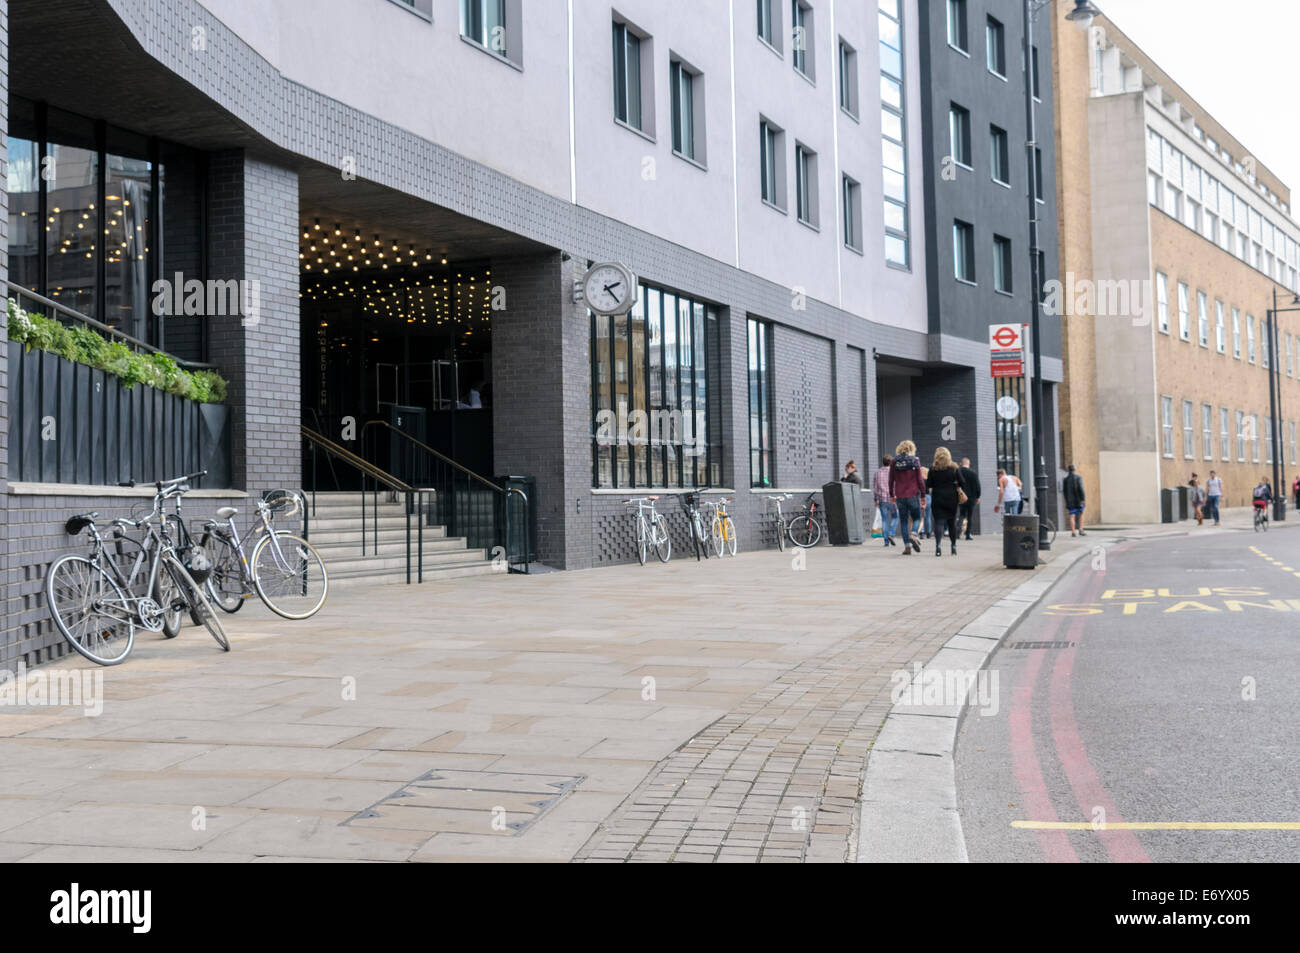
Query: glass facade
[
  {"x": 894, "y": 141},
  {"x": 761, "y": 461},
  {"x": 655, "y": 400}
]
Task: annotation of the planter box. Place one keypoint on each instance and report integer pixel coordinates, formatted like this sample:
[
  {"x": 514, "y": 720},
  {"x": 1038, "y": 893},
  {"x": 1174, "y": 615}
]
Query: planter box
[{"x": 70, "y": 423}]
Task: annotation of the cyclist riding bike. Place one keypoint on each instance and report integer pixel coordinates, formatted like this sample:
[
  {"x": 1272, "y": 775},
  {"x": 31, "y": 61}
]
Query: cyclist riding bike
[{"x": 1262, "y": 496}]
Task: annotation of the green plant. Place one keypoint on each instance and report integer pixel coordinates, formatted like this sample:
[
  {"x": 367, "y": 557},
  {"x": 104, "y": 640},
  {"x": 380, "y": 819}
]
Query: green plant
[{"x": 84, "y": 346}]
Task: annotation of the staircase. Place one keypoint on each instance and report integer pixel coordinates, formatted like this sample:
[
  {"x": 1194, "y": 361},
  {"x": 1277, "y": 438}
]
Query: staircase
[{"x": 336, "y": 532}]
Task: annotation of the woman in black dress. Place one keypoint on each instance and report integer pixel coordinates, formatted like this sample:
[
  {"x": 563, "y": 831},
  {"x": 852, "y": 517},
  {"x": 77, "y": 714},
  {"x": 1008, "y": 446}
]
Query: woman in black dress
[{"x": 943, "y": 481}]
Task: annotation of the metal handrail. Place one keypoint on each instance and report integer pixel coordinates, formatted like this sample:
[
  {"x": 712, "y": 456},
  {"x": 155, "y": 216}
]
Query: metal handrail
[
  {"x": 424, "y": 446},
  {"x": 112, "y": 332}
]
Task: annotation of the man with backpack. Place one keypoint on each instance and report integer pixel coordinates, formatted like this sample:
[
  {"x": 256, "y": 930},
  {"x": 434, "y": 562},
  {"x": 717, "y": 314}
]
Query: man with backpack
[
  {"x": 907, "y": 492},
  {"x": 1072, "y": 490},
  {"x": 971, "y": 481}
]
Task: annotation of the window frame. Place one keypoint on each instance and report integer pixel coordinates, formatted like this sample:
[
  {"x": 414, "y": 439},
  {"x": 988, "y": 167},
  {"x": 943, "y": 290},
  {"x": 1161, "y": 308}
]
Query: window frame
[
  {"x": 995, "y": 47},
  {"x": 963, "y": 251},
  {"x": 1003, "y": 268}
]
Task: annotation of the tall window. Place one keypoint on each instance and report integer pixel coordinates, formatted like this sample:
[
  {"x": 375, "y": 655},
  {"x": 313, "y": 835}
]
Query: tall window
[
  {"x": 769, "y": 23},
  {"x": 1224, "y": 452},
  {"x": 957, "y": 25},
  {"x": 893, "y": 142},
  {"x": 959, "y": 134},
  {"x": 1293, "y": 442},
  {"x": 772, "y": 167},
  {"x": 484, "y": 22},
  {"x": 1250, "y": 338},
  {"x": 1183, "y": 329},
  {"x": 684, "y": 85},
  {"x": 1002, "y": 264},
  {"x": 1162, "y": 302},
  {"x": 848, "y": 78},
  {"x": 1254, "y": 438},
  {"x": 1037, "y": 90},
  {"x": 999, "y": 155},
  {"x": 655, "y": 401},
  {"x": 1268, "y": 439},
  {"x": 761, "y": 457},
  {"x": 627, "y": 77},
  {"x": 1288, "y": 356},
  {"x": 963, "y": 250},
  {"x": 1207, "y": 431},
  {"x": 1241, "y": 437},
  {"x": 1189, "y": 445},
  {"x": 805, "y": 178},
  {"x": 1038, "y": 174},
  {"x": 996, "y": 43},
  {"x": 802, "y": 37},
  {"x": 1203, "y": 318},
  {"x": 1167, "y": 425},
  {"x": 1219, "y": 342},
  {"x": 1236, "y": 334},
  {"x": 852, "y": 214}
]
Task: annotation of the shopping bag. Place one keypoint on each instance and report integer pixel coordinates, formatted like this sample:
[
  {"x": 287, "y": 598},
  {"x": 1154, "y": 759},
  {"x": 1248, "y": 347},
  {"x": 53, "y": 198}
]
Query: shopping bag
[{"x": 877, "y": 526}]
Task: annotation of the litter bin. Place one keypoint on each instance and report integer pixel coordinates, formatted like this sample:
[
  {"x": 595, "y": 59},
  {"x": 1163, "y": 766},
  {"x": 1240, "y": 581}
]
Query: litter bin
[
  {"x": 523, "y": 535},
  {"x": 843, "y": 505},
  {"x": 1020, "y": 541},
  {"x": 1166, "y": 506},
  {"x": 1182, "y": 502}
]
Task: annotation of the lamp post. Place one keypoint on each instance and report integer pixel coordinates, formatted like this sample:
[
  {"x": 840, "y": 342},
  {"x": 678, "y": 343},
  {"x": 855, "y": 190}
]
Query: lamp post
[
  {"x": 1082, "y": 16},
  {"x": 1275, "y": 404}
]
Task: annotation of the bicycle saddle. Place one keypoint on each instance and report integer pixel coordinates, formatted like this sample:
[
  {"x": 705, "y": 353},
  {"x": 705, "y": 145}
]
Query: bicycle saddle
[
  {"x": 226, "y": 512},
  {"x": 78, "y": 523}
]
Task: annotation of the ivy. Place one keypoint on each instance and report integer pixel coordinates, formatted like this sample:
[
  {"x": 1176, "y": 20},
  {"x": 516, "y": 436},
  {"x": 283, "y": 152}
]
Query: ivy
[{"x": 84, "y": 346}]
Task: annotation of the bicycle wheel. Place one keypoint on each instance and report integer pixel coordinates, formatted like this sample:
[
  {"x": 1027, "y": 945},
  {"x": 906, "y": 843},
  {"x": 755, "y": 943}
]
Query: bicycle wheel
[
  {"x": 90, "y": 609},
  {"x": 805, "y": 532},
  {"x": 715, "y": 536},
  {"x": 200, "y": 606},
  {"x": 780, "y": 535},
  {"x": 290, "y": 576},
  {"x": 697, "y": 537},
  {"x": 167, "y": 593},
  {"x": 663, "y": 542},
  {"x": 225, "y": 584},
  {"x": 729, "y": 534},
  {"x": 642, "y": 540}
]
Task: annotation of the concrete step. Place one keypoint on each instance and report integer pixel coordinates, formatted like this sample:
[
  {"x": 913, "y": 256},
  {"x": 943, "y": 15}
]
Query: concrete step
[
  {"x": 442, "y": 573},
  {"x": 352, "y": 550},
  {"x": 352, "y": 536},
  {"x": 377, "y": 564},
  {"x": 396, "y": 521}
]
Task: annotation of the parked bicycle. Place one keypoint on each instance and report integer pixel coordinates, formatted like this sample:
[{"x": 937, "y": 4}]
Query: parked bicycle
[
  {"x": 285, "y": 571},
  {"x": 721, "y": 528},
  {"x": 775, "y": 502},
  {"x": 651, "y": 530},
  {"x": 695, "y": 521},
  {"x": 805, "y": 527},
  {"x": 97, "y": 607}
]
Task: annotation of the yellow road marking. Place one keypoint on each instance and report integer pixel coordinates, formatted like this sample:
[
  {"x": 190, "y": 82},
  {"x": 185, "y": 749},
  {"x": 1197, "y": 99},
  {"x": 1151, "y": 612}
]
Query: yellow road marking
[{"x": 1161, "y": 825}]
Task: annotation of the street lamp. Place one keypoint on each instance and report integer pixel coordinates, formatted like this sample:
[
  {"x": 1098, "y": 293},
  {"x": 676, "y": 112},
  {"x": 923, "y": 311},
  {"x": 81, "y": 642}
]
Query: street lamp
[
  {"x": 1082, "y": 15},
  {"x": 1275, "y": 404}
]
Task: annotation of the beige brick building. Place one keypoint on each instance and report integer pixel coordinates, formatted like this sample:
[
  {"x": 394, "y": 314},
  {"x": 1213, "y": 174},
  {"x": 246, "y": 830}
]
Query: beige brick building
[{"x": 1173, "y": 241}]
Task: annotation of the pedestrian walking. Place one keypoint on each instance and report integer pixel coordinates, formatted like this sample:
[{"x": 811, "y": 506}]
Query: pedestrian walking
[
  {"x": 1213, "y": 494},
  {"x": 1009, "y": 494},
  {"x": 907, "y": 491},
  {"x": 1295, "y": 491},
  {"x": 851, "y": 474},
  {"x": 1075, "y": 500},
  {"x": 1197, "y": 494},
  {"x": 970, "y": 480},
  {"x": 947, "y": 493},
  {"x": 885, "y": 506},
  {"x": 927, "y": 511}
]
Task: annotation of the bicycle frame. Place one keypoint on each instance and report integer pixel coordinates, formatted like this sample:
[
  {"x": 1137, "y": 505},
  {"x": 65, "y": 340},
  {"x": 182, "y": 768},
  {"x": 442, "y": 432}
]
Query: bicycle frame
[{"x": 263, "y": 523}]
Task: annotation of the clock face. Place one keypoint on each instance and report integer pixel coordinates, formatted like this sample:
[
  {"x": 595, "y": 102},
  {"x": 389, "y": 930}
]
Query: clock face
[{"x": 608, "y": 289}]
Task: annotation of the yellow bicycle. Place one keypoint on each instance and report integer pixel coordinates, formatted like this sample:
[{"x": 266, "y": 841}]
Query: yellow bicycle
[{"x": 723, "y": 529}]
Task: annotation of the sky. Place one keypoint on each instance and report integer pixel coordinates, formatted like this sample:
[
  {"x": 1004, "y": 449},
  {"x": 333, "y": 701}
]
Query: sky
[{"x": 1237, "y": 58}]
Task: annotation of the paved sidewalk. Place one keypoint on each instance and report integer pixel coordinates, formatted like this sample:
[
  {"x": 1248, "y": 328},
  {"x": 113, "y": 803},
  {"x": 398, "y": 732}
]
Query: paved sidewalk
[{"x": 714, "y": 711}]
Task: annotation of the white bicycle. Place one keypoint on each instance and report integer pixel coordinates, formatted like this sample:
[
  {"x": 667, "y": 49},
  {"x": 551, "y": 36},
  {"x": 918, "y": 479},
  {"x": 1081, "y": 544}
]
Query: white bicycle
[{"x": 651, "y": 530}]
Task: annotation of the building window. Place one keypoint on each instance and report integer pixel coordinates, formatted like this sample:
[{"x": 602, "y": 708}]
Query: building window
[
  {"x": 1162, "y": 302},
  {"x": 1268, "y": 440},
  {"x": 1037, "y": 92},
  {"x": 1203, "y": 319},
  {"x": 1241, "y": 437},
  {"x": 996, "y": 44},
  {"x": 1000, "y": 155},
  {"x": 1250, "y": 338},
  {"x": 769, "y": 23},
  {"x": 1002, "y": 264},
  {"x": 1189, "y": 444},
  {"x": 893, "y": 139},
  {"x": 1218, "y": 326},
  {"x": 1167, "y": 425},
  {"x": 1236, "y": 334},
  {"x": 1224, "y": 452},
  {"x": 957, "y": 25},
  {"x": 1207, "y": 431},
  {"x": 631, "y": 62},
  {"x": 849, "y": 79},
  {"x": 1265, "y": 343},
  {"x": 1154, "y": 189},
  {"x": 852, "y": 214},
  {"x": 761, "y": 457},
  {"x": 805, "y": 184},
  {"x": 1288, "y": 356},
  {"x": 1254, "y": 435},
  {"x": 1293, "y": 442},
  {"x": 687, "y": 114},
  {"x": 655, "y": 397},
  {"x": 772, "y": 159},
  {"x": 959, "y": 134},
  {"x": 1184, "y": 330},
  {"x": 963, "y": 251},
  {"x": 1174, "y": 202},
  {"x": 493, "y": 25},
  {"x": 803, "y": 36},
  {"x": 1038, "y": 174}
]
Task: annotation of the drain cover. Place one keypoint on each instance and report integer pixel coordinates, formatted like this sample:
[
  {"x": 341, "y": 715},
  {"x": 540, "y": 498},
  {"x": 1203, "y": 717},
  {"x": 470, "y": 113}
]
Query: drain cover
[{"x": 469, "y": 802}]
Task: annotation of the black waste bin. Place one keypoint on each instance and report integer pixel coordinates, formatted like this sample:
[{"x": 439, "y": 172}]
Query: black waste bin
[
  {"x": 1166, "y": 506},
  {"x": 523, "y": 532},
  {"x": 1182, "y": 502},
  {"x": 843, "y": 505},
  {"x": 1020, "y": 541}
]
